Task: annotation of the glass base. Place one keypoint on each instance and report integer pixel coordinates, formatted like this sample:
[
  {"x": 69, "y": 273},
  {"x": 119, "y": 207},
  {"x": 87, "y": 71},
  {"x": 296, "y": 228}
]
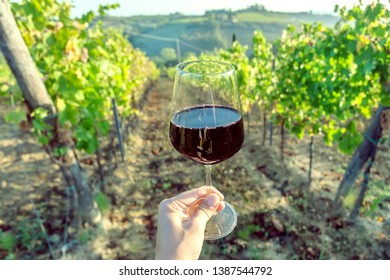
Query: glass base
[{"x": 221, "y": 224}]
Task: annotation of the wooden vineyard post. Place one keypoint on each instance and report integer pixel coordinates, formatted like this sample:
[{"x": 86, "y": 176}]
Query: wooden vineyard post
[
  {"x": 311, "y": 159},
  {"x": 282, "y": 141},
  {"x": 388, "y": 139},
  {"x": 118, "y": 128},
  {"x": 271, "y": 127},
  {"x": 386, "y": 124},
  {"x": 248, "y": 122},
  {"x": 362, "y": 154},
  {"x": 364, "y": 186},
  {"x": 36, "y": 96},
  {"x": 264, "y": 127},
  {"x": 19, "y": 59}
]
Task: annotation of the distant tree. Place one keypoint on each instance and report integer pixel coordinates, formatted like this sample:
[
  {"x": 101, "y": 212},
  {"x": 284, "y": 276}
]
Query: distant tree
[
  {"x": 230, "y": 15},
  {"x": 234, "y": 38},
  {"x": 256, "y": 7},
  {"x": 167, "y": 57},
  {"x": 168, "y": 54},
  {"x": 210, "y": 15},
  {"x": 176, "y": 15}
]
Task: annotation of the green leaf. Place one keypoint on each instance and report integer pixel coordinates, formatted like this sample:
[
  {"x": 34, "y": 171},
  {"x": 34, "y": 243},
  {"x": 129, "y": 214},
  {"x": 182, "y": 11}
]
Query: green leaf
[
  {"x": 81, "y": 134},
  {"x": 103, "y": 127},
  {"x": 366, "y": 111},
  {"x": 92, "y": 146},
  {"x": 40, "y": 125},
  {"x": 88, "y": 17},
  {"x": 69, "y": 114},
  {"x": 43, "y": 139},
  {"x": 61, "y": 151},
  {"x": 61, "y": 104},
  {"x": 15, "y": 117},
  {"x": 11, "y": 256},
  {"x": 40, "y": 113},
  {"x": 386, "y": 101},
  {"x": 166, "y": 185},
  {"x": 79, "y": 96},
  {"x": 7, "y": 241},
  {"x": 369, "y": 66},
  {"x": 349, "y": 142},
  {"x": 299, "y": 131},
  {"x": 84, "y": 235},
  {"x": 245, "y": 234},
  {"x": 103, "y": 202},
  {"x": 351, "y": 127},
  {"x": 4, "y": 87},
  {"x": 63, "y": 85}
]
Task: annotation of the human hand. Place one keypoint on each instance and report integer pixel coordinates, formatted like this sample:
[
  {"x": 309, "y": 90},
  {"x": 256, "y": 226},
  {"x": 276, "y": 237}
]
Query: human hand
[{"x": 181, "y": 223}]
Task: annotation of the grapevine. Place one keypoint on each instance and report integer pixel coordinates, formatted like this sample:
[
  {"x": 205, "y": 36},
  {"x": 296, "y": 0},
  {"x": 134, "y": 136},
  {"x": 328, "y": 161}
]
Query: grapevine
[{"x": 84, "y": 67}]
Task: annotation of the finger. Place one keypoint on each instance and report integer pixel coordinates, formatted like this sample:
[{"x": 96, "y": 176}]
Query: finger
[
  {"x": 211, "y": 189},
  {"x": 191, "y": 196},
  {"x": 221, "y": 206},
  {"x": 207, "y": 209}
]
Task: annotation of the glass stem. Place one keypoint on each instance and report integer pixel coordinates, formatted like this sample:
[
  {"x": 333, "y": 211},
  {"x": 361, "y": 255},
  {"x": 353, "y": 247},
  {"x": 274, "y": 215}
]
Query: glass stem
[{"x": 208, "y": 169}]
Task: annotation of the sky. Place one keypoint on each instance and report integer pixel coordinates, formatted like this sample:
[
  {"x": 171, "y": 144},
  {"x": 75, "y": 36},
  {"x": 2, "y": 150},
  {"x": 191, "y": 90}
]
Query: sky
[{"x": 198, "y": 7}]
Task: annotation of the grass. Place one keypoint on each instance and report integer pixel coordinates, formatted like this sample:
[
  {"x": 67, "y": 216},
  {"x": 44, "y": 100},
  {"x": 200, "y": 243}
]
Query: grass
[
  {"x": 262, "y": 18},
  {"x": 190, "y": 20}
]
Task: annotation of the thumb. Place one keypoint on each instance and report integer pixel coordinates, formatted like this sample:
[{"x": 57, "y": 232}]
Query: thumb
[{"x": 207, "y": 209}]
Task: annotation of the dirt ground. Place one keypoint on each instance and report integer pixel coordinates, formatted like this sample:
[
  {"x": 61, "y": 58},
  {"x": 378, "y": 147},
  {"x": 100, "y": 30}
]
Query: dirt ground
[{"x": 280, "y": 216}]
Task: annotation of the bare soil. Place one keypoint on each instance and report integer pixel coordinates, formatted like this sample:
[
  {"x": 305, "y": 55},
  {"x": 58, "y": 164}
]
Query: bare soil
[{"x": 280, "y": 215}]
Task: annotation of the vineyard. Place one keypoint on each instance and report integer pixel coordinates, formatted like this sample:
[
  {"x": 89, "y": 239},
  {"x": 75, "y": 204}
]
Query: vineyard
[{"x": 85, "y": 157}]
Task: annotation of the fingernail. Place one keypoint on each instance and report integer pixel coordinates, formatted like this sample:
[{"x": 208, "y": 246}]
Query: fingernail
[
  {"x": 212, "y": 201},
  {"x": 202, "y": 192}
]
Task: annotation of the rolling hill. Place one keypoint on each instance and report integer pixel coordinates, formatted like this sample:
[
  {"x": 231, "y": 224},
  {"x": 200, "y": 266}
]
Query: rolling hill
[{"x": 214, "y": 29}]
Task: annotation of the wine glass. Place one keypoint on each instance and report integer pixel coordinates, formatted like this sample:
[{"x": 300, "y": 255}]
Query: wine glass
[{"x": 206, "y": 125}]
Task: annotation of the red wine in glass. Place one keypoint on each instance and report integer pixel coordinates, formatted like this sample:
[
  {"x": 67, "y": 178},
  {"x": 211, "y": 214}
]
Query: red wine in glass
[{"x": 206, "y": 125}]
